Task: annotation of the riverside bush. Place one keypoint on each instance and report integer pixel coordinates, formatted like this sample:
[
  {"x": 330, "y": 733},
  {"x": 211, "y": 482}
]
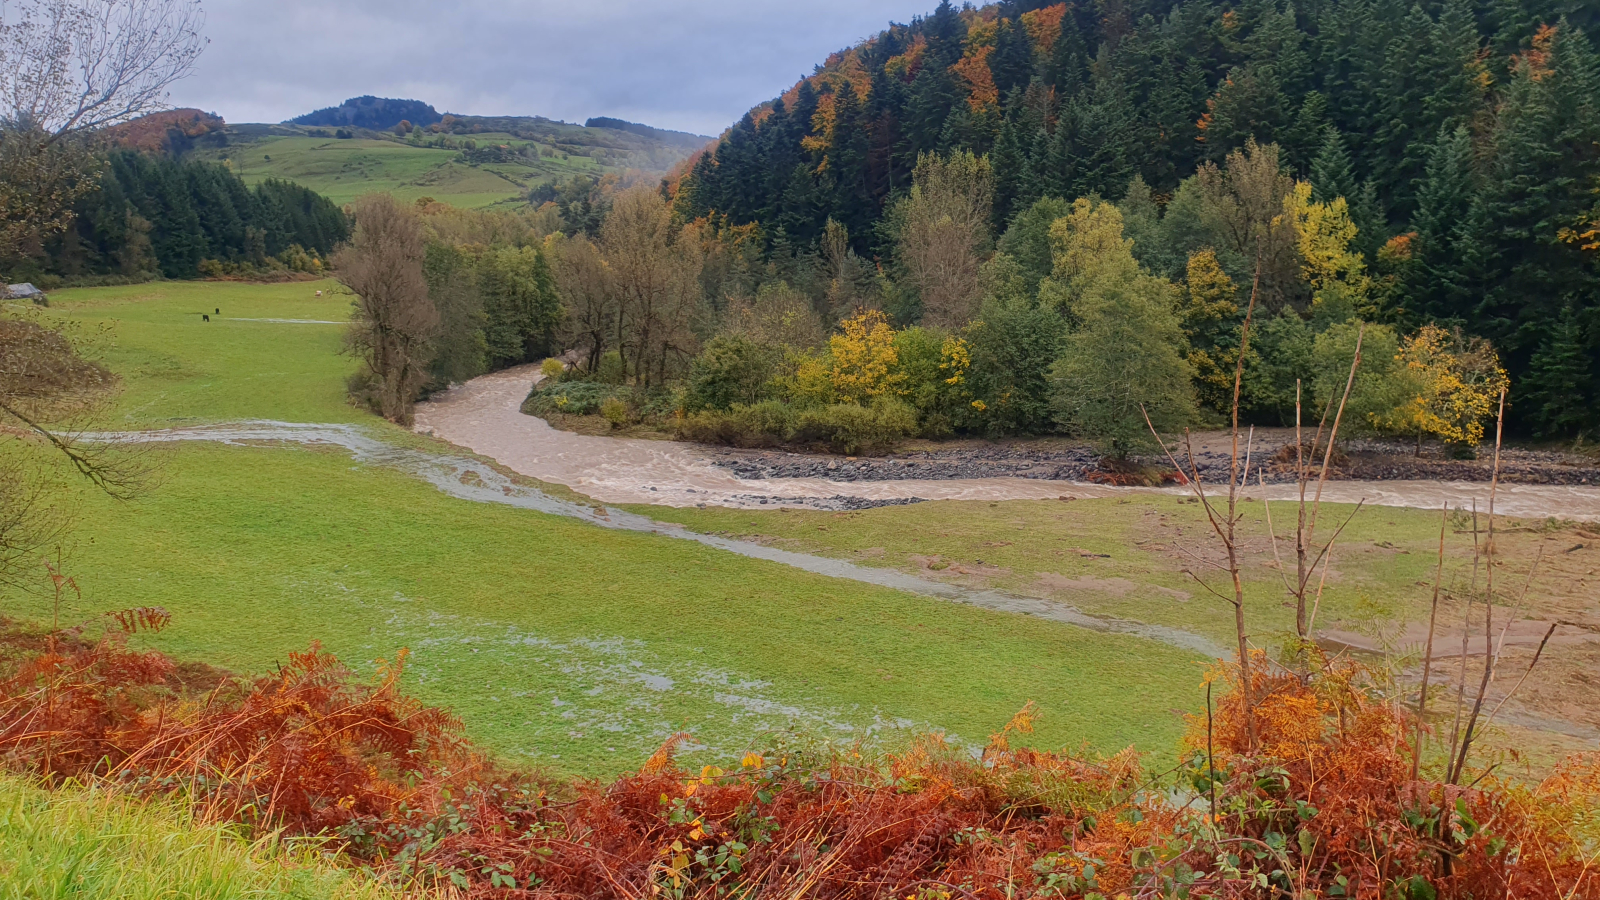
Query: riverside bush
[
  {"x": 730, "y": 370},
  {"x": 841, "y": 427},
  {"x": 847, "y": 428},
  {"x": 618, "y": 404},
  {"x": 572, "y": 398},
  {"x": 615, "y": 411}
]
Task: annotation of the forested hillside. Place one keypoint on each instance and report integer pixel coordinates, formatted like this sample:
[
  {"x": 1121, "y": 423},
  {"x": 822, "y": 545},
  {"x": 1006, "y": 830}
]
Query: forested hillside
[
  {"x": 378, "y": 113},
  {"x": 1462, "y": 137},
  {"x": 157, "y": 216}
]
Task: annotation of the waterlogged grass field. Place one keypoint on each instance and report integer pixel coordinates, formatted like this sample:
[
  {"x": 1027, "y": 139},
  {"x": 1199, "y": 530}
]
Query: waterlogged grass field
[
  {"x": 559, "y": 641},
  {"x": 556, "y": 641},
  {"x": 1131, "y": 558}
]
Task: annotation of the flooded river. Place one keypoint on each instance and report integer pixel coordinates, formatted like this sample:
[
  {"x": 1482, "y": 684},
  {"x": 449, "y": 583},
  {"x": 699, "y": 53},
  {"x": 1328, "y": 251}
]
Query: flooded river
[{"x": 484, "y": 416}]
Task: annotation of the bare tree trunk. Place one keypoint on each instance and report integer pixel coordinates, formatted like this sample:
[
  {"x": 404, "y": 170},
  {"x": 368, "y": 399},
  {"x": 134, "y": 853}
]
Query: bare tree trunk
[
  {"x": 1307, "y": 523},
  {"x": 1234, "y": 483},
  {"x": 1226, "y": 530}
]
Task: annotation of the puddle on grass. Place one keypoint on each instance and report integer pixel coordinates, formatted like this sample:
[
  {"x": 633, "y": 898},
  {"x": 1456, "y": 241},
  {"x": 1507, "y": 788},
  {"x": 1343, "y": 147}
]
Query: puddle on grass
[
  {"x": 599, "y": 697},
  {"x": 619, "y": 693},
  {"x": 471, "y": 480},
  {"x": 286, "y": 321}
]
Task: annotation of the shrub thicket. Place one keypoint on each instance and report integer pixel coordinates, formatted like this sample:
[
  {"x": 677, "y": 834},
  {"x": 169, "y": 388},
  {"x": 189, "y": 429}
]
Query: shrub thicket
[
  {"x": 570, "y": 398},
  {"x": 841, "y": 427}
]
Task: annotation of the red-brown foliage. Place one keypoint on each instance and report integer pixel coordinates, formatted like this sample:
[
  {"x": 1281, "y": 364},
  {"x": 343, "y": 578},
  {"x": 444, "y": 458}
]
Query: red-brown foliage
[
  {"x": 165, "y": 131},
  {"x": 1330, "y": 783},
  {"x": 1324, "y": 807},
  {"x": 308, "y": 746}
]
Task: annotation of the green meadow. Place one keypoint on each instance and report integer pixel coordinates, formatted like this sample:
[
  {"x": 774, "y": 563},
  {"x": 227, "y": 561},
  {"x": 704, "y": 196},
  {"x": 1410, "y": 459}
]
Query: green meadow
[
  {"x": 343, "y": 170},
  {"x": 556, "y": 641},
  {"x": 1128, "y": 558},
  {"x": 177, "y": 368}
]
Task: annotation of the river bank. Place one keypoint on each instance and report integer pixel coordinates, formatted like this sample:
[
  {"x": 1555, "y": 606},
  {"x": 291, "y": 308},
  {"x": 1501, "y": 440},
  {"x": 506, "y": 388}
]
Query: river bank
[
  {"x": 1056, "y": 459},
  {"x": 485, "y": 416}
]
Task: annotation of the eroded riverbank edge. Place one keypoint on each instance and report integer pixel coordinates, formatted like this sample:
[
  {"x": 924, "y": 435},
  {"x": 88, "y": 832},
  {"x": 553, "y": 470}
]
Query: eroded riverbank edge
[{"x": 484, "y": 416}]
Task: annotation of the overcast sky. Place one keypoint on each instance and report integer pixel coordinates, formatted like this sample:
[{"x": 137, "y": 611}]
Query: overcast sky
[{"x": 689, "y": 65}]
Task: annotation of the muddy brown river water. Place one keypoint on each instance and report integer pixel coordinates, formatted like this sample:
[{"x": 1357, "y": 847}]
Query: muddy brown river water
[{"x": 485, "y": 417}]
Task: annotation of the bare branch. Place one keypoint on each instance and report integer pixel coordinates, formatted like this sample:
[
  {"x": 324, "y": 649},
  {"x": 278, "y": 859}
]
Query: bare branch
[
  {"x": 1488, "y": 603},
  {"x": 1522, "y": 598},
  {"x": 73, "y": 66},
  {"x": 1306, "y": 525},
  {"x": 87, "y": 459},
  {"x": 1514, "y": 688},
  {"x": 1272, "y": 533},
  {"x": 1220, "y": 596},
  {"x": 1427, "y": 653},
  {"x": 1325, "y": 558},
  {"x": 1197, "y": 558}
]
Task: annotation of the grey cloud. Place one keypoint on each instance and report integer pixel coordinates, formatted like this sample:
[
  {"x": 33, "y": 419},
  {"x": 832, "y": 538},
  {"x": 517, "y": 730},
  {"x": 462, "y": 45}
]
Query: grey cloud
[{"x": 679, "y": 64}]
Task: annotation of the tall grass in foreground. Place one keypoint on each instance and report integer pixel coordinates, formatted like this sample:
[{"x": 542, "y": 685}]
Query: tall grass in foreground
[{"x": 86, "y": 843}]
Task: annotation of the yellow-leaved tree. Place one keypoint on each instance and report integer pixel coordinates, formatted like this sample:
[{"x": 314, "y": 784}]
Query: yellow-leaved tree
[
  {"x": 1086, "y": 245},
  {"x": 1454, "y": 387},
  {"x": 861, "y": 360},
  {"x": 1125, "y": 361},
  {"x": 1340, "y": 286},
  {"x": 1208, "y": 309}
]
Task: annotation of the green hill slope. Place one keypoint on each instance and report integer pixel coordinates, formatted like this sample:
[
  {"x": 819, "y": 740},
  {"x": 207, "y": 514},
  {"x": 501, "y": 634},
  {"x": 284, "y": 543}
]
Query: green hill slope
[
  {"x": 342, "y": 170},
  {"x": 466, "y": 161}
]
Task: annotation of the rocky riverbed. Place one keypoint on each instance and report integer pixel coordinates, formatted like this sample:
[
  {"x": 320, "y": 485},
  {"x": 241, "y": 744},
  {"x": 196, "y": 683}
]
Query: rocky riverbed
[{"x": 1271, "y": 452}]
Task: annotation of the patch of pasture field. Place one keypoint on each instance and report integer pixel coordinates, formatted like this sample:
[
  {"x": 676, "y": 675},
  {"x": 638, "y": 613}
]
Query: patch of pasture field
[
  {"x": 583, "y": 647},
  {"x": 343, "y": 170},
  {"x": 267, "y": 355},
  {"x": 1131, "y": 557}
]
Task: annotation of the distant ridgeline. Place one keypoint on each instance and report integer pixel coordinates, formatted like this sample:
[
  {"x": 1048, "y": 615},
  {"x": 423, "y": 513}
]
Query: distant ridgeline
[
  {"x": 161, "y": 216},
  {"x": 376, "y": 113},
  {"x": 679, "y": 138}
]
